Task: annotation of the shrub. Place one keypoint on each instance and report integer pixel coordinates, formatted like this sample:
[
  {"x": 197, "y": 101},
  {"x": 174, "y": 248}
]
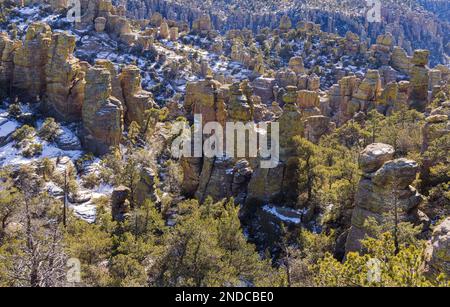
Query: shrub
[
  {"x": 14, "y": 110},
  {"x": 23, "y": 133},
  {"x": 49, "y": 130},
  {"x": 34, "y": 149}
]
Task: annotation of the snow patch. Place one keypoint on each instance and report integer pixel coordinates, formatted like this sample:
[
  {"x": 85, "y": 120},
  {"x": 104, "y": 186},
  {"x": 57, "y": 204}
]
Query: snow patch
[{"x": 285, "y": 214}]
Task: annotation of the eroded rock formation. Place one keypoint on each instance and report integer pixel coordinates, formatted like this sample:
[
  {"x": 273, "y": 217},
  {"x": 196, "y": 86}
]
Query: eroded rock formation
[
  {"x": 102, "y": 114},
  {"x": 383, "y": 192},
  {"x": 64, "y": 79}
]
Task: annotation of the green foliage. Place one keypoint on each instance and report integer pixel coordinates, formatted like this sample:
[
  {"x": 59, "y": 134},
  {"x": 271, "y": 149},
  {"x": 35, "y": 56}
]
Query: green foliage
[
  {"x": 298, "y": 260},
  {"x": 134, "y": 131},
  {"x": 34, "y": 149},
  {"x": 14, "y": 110},
  {"x": 307, "y": 171},
  {"x": 24, "y": 133},
  {"x": 31, "y": 249},
  {"x": 379, "y": 267},
  {"x": 207, "y": 248},
  {"x": 351, "y": 135},
  {"x": 9, "y": 197},
  {"x": 47, "y": 168},
  {"x": 92, "y": 246},
  {"x": 402, "y": 130},
  {"x": 374, "y": 124},
  {"x": 49, "y": 130},
  {"x": 437, "y": 158}
]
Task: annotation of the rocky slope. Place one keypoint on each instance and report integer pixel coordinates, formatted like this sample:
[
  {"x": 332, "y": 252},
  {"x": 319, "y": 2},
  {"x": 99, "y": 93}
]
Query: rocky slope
[{"x": 313, "y": 69}]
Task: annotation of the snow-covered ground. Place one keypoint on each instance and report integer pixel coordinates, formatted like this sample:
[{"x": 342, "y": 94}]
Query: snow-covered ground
[
  {"x": 288, "y": 215},
  {"x": 85, "y": 205}
]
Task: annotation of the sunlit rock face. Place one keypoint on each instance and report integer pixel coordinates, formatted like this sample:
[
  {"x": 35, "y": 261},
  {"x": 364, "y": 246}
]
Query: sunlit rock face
[
  {"x": 383, "y": 190},
  {"x": 30, "y": 60},
  {"x": 64, "y": 79},
  {"x": 102, "y": 114},
  {"x": 419, "y": 80}
]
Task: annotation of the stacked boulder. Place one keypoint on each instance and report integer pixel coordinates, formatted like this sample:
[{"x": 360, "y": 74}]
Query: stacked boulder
[
  {"x": 383, "y": 189},
  {"x": 381, "y": 51},
  {"x": 202, "y": 25},
  {"x": 291, "y": 123},
  {"x": 340, "y": 96},
  {"x": 367, "y": 93},
  {"x": 64, "y": 79},
  {"x": 120, "y": 204},
  {"x": 400, "y": 60},
  {"x": 239, "y": 108},
  {"x": 7, "y": 49},
  {"x": 30, "y": 60},
  {"x": 137, "y": 100},
  {"x": 296, "y": 64},
  {"x": 419, "y": 80},
  {"x": 308, "y": 101},
  {"x": 102, "y": 114},
  {"x": 203, "y": 97}
]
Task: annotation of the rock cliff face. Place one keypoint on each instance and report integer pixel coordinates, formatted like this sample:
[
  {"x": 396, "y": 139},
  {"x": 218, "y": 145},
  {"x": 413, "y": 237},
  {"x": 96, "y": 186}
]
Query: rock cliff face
[
  {"x": 367, "y": 93},
  {"x": 137, "y": 100},
  {"x": 291, "y": 124},
  {"x": 120, "y": 205},
  {"x": 64, "y": 79},
  {"x": 102, "y": 114},
  {"x": 30, "y": 60},
  {"x": 7, "y": 48},
  {"x": 204, "y": 97},
  {"x": 383, "y": 189},
  {"x": 400, "y": 60},
  {"x": 419, "y": 80}
]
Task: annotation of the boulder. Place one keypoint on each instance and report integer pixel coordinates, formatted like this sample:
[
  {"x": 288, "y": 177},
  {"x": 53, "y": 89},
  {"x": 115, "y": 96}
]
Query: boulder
[
  {"x": 173, "y": 33},
  {"x": 100, "y": 24},
  {"x": 374, "y": 156},
  {"x": 399, "y": 173},
  {"x": 145, "y": 188},
  {"x": 120, "y": 205},
  {"x": 291, "y": 124},
  {"x": 296, "y": 64},
  {"x": 400, "y": 60},
  {"x": 202, "y": 25},
  {"x": 285, "y": 23},
  {"x": 238, "y": 106},
  {"x": 202, "y": 97},
  {"x": 367, "y": 93},
  {"x": 263, "y": 87},
  {"x": 7, "y": 49}
]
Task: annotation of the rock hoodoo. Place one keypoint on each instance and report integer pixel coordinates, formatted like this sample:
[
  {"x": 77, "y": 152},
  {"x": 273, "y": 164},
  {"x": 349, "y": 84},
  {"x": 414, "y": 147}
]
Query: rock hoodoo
[{"x": 383, "y": 188}]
